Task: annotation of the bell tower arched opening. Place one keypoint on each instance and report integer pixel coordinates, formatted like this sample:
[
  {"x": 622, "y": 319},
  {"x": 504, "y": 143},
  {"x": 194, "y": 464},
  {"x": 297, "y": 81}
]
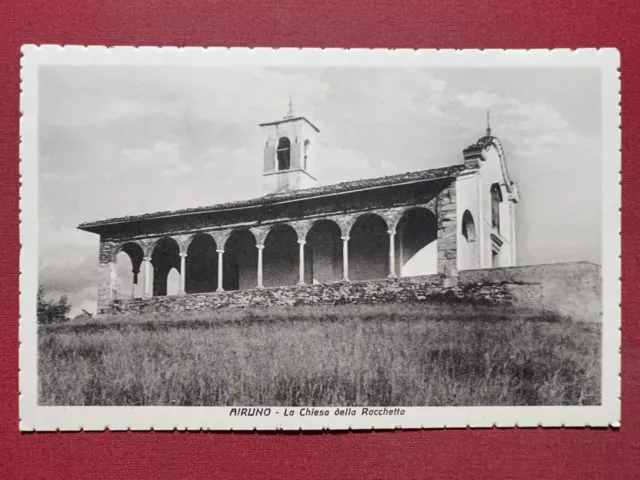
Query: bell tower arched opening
[{"x": 289, "y": 159}]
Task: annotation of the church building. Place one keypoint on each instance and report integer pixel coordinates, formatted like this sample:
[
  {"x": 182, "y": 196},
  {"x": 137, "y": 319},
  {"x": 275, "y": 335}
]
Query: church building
[{"x": 430, "y": 222}]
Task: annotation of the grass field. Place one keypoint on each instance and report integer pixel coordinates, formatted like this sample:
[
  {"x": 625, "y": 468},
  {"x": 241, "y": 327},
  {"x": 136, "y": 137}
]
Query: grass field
[{"x": 406, "y": 355}]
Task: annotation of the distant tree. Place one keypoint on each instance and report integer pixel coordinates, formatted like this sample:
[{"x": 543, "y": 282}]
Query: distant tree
[{"x": 50, "y": 311}]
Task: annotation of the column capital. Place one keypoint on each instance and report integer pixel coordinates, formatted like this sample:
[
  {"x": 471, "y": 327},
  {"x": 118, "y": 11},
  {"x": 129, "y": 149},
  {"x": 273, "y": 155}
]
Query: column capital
[
  {"x": 183, "y": 255},
  {"x": 302, "y": 242},
  {"x": 391, "y": 231},
  {"x": 345, "y": 238},
  {"x": 220, "y": 250},
  {"x": 259, "y": 246},
  {"x": 146, "y": 259}
]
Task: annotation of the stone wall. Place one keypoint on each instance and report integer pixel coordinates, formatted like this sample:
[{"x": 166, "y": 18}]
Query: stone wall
[
  {"x": 406, "y": 290},
  {"x": 568, "y": 290},
  {"x": 572, "y": 290}
]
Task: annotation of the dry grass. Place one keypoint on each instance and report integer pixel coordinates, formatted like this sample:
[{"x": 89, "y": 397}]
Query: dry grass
[{"x": 343, "y": 355}]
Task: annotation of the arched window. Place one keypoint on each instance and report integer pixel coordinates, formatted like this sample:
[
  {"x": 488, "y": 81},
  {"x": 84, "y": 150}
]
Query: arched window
[
  {"x": 307, "y": 146},
  {"x": 284, "y": 154},
  {"x": 468, "y": 227},
  {"x": 496, "y": 199}
]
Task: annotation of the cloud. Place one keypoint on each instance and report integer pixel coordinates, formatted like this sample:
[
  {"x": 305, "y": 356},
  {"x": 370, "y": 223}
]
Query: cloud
[
  {"x": 162, "y": 158},
  {"x": 341, "y": 164},
  {"x": 130, "y": 140}
]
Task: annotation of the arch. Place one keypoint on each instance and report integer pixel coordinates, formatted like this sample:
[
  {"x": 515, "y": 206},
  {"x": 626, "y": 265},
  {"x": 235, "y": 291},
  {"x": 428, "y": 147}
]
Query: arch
[
  {"x": 240, "y": 261},
  {"x": 281, "y": 256},
  {"x": 201, "y": 264},
  {"x": 496, "y": 199},
  {"x": 165, "y": 257},
  {"x": 416, "y": 243},
  {"x": 368, "y": 248},
  {"x": 128, "y": 279},
  {"x": 283, "y": 153},
  {"x": 468, "y": 227},
  {"x": 323, "y": 252}
]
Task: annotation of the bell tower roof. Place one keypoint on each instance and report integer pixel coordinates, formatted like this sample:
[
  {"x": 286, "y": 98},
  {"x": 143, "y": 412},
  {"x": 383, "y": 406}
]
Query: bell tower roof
[{"x": 290, "y": 117}]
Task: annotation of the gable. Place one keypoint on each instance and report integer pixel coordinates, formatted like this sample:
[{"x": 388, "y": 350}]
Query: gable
[{"x": 487, "y": 154}]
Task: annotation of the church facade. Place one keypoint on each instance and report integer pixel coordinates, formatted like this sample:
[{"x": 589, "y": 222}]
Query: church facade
[{"x": 431, "y": 222}]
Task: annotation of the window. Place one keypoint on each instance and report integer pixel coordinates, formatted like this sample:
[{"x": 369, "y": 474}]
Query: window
[
  {"x": 468, "y": 227},
  {"x": 284, "y": 154},
  {"x": 307, "y": 144},
  {"x": 496, "y": 199}
]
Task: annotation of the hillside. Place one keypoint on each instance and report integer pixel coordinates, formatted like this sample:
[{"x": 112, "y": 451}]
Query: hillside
[{"x": 409, "y": 355}]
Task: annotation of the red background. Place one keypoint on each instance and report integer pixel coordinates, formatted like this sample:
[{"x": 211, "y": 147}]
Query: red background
[{"x": 497, "y": 453}]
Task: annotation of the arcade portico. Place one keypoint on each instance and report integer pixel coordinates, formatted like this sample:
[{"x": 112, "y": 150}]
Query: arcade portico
[{"x": 436, "y": 221}]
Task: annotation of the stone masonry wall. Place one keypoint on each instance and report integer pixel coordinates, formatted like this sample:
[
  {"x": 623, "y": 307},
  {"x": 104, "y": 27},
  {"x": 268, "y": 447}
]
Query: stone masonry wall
[
  {"x": 447, "y": 235},
  {"x": 568, "y": 290},
  {"x": 405, "y": 290},
  {"x": 572, "y": 290}
]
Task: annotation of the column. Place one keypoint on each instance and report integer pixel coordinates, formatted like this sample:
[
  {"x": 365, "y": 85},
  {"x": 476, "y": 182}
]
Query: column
[
  {"x": 392, "y": 253},
  {"x": 301, "y": 262},
  {"x": 345, "y": 258},
  {"x": 220, "y": 268},
  {"x": 260, "y": 248},
  {"x": 147, "y": 277},
  {"x": 183, "y": 272}
]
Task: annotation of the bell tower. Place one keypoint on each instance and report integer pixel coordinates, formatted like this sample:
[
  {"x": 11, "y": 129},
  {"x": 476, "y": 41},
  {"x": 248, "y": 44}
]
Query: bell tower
[{"x": 289, "y": 154}]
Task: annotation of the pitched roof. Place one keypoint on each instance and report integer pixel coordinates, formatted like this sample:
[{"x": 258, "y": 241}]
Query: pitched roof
[{"x": 337, "y": 188}]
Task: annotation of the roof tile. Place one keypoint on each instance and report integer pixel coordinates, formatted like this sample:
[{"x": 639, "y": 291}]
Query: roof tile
[{"x": 344, "y": 187}]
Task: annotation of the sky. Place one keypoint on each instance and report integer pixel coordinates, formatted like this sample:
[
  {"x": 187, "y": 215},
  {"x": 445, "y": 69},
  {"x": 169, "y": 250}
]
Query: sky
[{"x": 127, "y": 140}]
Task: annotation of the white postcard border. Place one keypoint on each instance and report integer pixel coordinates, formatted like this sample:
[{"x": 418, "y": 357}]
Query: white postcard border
[{"x": 48, "y": 418}]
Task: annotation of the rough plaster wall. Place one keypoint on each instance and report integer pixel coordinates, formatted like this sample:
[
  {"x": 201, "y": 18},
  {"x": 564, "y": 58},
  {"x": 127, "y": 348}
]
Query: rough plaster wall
[
  {"x": 281, "y": 259},
  {"x": 173, "y": 282},
  {"x": 416, "y": 244},
  {"x": 421, "y": 261},
  {"x": 248, "y": 269},
  {"x": 369, "y": 250},
  {"x": 326, "y": 258},
  {"x": 569, "y": 289},
  {"x": 240, "y": 262}
]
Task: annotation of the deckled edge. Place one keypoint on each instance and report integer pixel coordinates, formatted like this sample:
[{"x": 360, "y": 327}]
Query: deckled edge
[{"x": 31, "y": 414}]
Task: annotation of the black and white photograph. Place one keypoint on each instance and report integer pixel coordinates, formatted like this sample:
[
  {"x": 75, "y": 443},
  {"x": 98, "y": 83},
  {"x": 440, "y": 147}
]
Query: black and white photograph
[{"x": 344, "y": 239}]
